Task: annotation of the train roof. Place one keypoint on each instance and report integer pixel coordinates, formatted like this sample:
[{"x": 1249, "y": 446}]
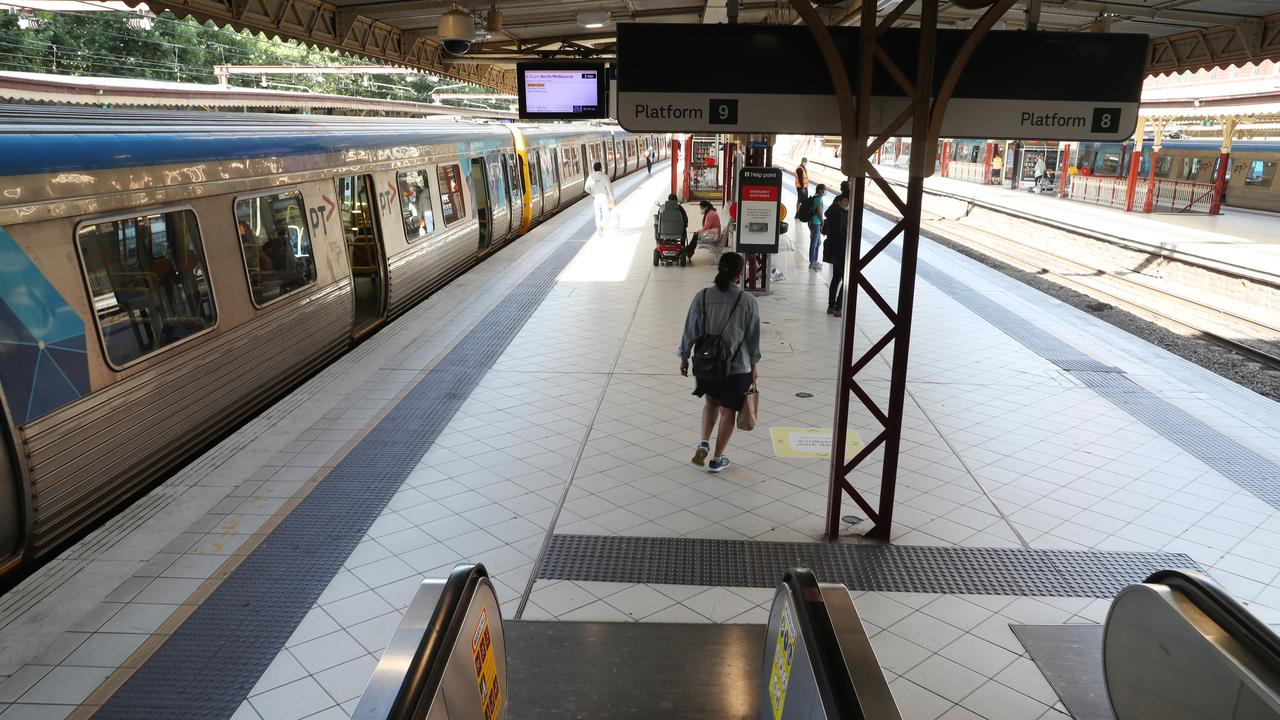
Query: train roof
[{"x": 55, "y": 139}]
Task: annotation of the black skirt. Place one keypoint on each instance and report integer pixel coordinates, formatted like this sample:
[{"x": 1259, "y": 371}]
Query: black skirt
[{"x": 731, "y": 392}]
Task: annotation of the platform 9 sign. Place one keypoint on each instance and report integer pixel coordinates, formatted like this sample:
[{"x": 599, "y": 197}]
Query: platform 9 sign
[
  {"x": 773, "y": 79},
  {"x": 759, "y": 193}
]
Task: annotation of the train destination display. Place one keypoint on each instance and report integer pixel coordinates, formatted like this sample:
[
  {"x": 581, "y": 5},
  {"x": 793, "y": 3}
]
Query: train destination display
[
  {"x": 760, "y": 78},
  {"x": 562, "y": 92}
]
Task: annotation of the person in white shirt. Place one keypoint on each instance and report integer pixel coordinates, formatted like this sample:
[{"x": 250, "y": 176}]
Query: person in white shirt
[{"x": 601, "y": 191}]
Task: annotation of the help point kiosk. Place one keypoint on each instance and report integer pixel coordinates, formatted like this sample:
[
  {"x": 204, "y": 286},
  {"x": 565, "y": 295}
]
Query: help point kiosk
[{"x": 758, "y": 219}]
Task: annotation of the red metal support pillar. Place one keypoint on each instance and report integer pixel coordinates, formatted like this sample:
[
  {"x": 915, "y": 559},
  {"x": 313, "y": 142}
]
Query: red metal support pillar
[
  {"x": 675, "y": 167},
  {"x": 687, "y": 175},
  {"x": 988, "y": 154},
  {"x": 924, "y": 113},
  {"x": 1224, "y": 160},
  {"x": 1150, "y": 203},
  {"x": 946, "y": 157},
  {"x": 1064, "y": 149},
  {"x": 1135, "y": 160}
]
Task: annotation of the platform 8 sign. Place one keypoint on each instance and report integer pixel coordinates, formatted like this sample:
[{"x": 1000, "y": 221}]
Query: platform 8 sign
[
  {"x": 769, "y": 78},
  {"x": 759, "y": 192}
]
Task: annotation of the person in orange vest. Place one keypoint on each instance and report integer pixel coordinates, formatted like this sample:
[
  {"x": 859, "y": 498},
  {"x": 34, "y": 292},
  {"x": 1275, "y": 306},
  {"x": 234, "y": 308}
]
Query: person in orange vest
[{"x": 802, "y": 182}]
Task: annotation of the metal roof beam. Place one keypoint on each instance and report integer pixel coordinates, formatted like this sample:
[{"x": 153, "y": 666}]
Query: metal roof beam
[
  {"x": 1250, "y": 41},
  {"x": 1124, "y": 10},
  {"x": 321, "y": 24}
]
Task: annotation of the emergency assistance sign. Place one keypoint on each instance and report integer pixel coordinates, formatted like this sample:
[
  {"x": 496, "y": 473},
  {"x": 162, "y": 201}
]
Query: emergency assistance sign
[
  {"x": 771, "y": 78},
  {"x": 759, "y": 193}
]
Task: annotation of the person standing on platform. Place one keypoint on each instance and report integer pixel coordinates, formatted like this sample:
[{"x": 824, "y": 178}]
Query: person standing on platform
[
  {"x": 997, "y": 169},
  {"x": 815, "y": 225},
  {"x": 648, "y": 161},
  {"x": 802, "y": 182},
  {"x": 835, "y": 226},
  {"x": 1040, "y": 170},
  {"x": 601, "y": 191},
  {"x": 724, "y": 317}
]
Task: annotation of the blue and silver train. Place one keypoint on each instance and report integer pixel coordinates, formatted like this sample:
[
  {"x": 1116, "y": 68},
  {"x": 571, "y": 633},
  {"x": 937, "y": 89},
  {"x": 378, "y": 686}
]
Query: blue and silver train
[{"x": 164, "y": 275}]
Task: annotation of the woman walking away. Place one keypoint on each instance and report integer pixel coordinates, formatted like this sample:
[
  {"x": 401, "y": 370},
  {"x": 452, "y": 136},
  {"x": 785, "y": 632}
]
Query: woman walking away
[
  {"x": 835, "y": 227},
  {"x": 722, "y": 333},
  {"x": 815, "y": 226}
]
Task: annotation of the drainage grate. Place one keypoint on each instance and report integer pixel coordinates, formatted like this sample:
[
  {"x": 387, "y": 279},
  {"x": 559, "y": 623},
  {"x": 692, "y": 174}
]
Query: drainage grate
[
  {"x": 207, "y": 667},
  {"x": 885, "y": 568},
  {"x": 1238, "y": 463}
]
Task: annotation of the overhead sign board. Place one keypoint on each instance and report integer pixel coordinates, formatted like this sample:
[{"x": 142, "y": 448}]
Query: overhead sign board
[
  {"x": 771, "y": 78},
  {"x": 759, "y": 194}
]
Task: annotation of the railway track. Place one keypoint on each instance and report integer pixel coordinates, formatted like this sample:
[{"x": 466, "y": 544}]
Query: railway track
[{"x": 1123, "y": 285}]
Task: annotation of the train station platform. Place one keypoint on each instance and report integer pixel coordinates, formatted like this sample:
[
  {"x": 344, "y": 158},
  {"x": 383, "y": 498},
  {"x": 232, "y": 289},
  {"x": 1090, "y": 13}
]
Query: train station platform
[
  {"x": 531, "y": 416},
  {"x": 1238, "y": 238}
]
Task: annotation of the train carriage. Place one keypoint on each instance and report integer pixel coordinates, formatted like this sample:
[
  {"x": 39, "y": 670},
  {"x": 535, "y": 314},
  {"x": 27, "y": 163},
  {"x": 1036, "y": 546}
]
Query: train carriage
[{"x": 158, "y": 286}]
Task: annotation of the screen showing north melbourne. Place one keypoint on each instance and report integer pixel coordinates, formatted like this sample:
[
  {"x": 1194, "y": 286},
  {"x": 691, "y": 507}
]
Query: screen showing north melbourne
[{"x": 561, "y": 91}]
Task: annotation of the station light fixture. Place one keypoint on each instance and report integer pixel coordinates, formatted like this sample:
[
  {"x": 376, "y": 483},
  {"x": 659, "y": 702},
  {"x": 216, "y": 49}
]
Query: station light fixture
[
  {"x": 593, "y": 18},
  {"x": 140, "y": 21},
  {"x": 29, "y": 21}
]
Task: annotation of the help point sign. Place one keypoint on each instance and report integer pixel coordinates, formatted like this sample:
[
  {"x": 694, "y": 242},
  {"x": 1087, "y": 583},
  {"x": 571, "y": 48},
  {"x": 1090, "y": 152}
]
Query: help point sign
[{"x": 759, "y": 193}]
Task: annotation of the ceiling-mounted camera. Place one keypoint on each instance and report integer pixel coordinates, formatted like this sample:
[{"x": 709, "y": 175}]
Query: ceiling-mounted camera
[{"x": 456, "y": 30}]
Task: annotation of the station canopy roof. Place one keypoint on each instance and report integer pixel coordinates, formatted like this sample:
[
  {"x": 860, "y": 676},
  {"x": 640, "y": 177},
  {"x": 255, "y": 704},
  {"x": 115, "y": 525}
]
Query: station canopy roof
[{"x": 1185, "y": 34}]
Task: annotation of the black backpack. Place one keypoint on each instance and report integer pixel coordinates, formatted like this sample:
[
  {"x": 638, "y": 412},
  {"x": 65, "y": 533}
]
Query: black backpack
[
  {"x": 804, "y": 213},
  {"x": 711, "y": 356}
]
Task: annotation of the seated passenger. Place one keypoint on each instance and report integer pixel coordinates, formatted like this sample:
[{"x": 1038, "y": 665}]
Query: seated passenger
[
  {"x": 254, "y": 257},
  {"x": 672, "y": 206},
  {"x": 710, "y": 231},
  {"x": 280, "y": 251}
]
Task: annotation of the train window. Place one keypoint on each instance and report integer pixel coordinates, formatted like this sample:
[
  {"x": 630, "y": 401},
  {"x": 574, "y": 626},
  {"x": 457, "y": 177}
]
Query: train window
[
  {"x": 569, "y": 166},
  {"x": 1192, "y": 167},
  {"x": 535, "y": 172},
  {"x": 1107, "y": 162},
  {"x": 415, "y": 204},
  {"x": 452, "y": 204},
  {"x": 275, "y": 244},
  {"x": 1261, "y": 173},
  {"x": 1164, "y": 164},
  {"x": 148, "y": 282}
]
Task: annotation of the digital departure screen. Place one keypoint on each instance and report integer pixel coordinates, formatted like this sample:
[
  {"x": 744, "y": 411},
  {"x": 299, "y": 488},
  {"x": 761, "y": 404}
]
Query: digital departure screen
[{"x": 562, "y": 92}]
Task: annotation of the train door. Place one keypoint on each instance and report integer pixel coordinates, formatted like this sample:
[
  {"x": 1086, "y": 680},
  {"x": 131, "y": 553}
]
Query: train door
[
  {"x": 551, "y": 179},
  {"x": 604, "y": 157},
  {"x": 515, "y": 188},
  {"x": 535, "y": 181},
  {"x": 364, "y": 249},
  {"x": 11, "y": 527},
  {"x": 498, "y": 198},
  {"x": 480, "y": 196}
]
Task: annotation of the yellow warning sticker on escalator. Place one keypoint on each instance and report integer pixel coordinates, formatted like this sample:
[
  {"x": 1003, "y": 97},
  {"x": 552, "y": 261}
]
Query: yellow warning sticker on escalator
[
  {"x": 783, "y": 653},
  {"x": 486, "y": 667}
]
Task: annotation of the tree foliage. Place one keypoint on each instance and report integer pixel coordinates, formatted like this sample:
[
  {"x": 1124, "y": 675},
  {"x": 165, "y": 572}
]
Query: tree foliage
[{"x": 122, "y": 45}]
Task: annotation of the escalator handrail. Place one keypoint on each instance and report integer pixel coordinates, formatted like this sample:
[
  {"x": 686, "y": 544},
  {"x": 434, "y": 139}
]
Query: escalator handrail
[
  {"x": 1213, "y": 600},
  {"x": 426, "y": 669},
  {"x": 836, "y": 690}
]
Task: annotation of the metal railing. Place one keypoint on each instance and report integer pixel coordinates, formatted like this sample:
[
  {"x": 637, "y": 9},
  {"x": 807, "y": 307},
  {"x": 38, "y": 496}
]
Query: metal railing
[
  {"x": 1182, "y": 196},
  {"x": 1109, "y": 191},
  {"x": 973, "y": 172}
]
